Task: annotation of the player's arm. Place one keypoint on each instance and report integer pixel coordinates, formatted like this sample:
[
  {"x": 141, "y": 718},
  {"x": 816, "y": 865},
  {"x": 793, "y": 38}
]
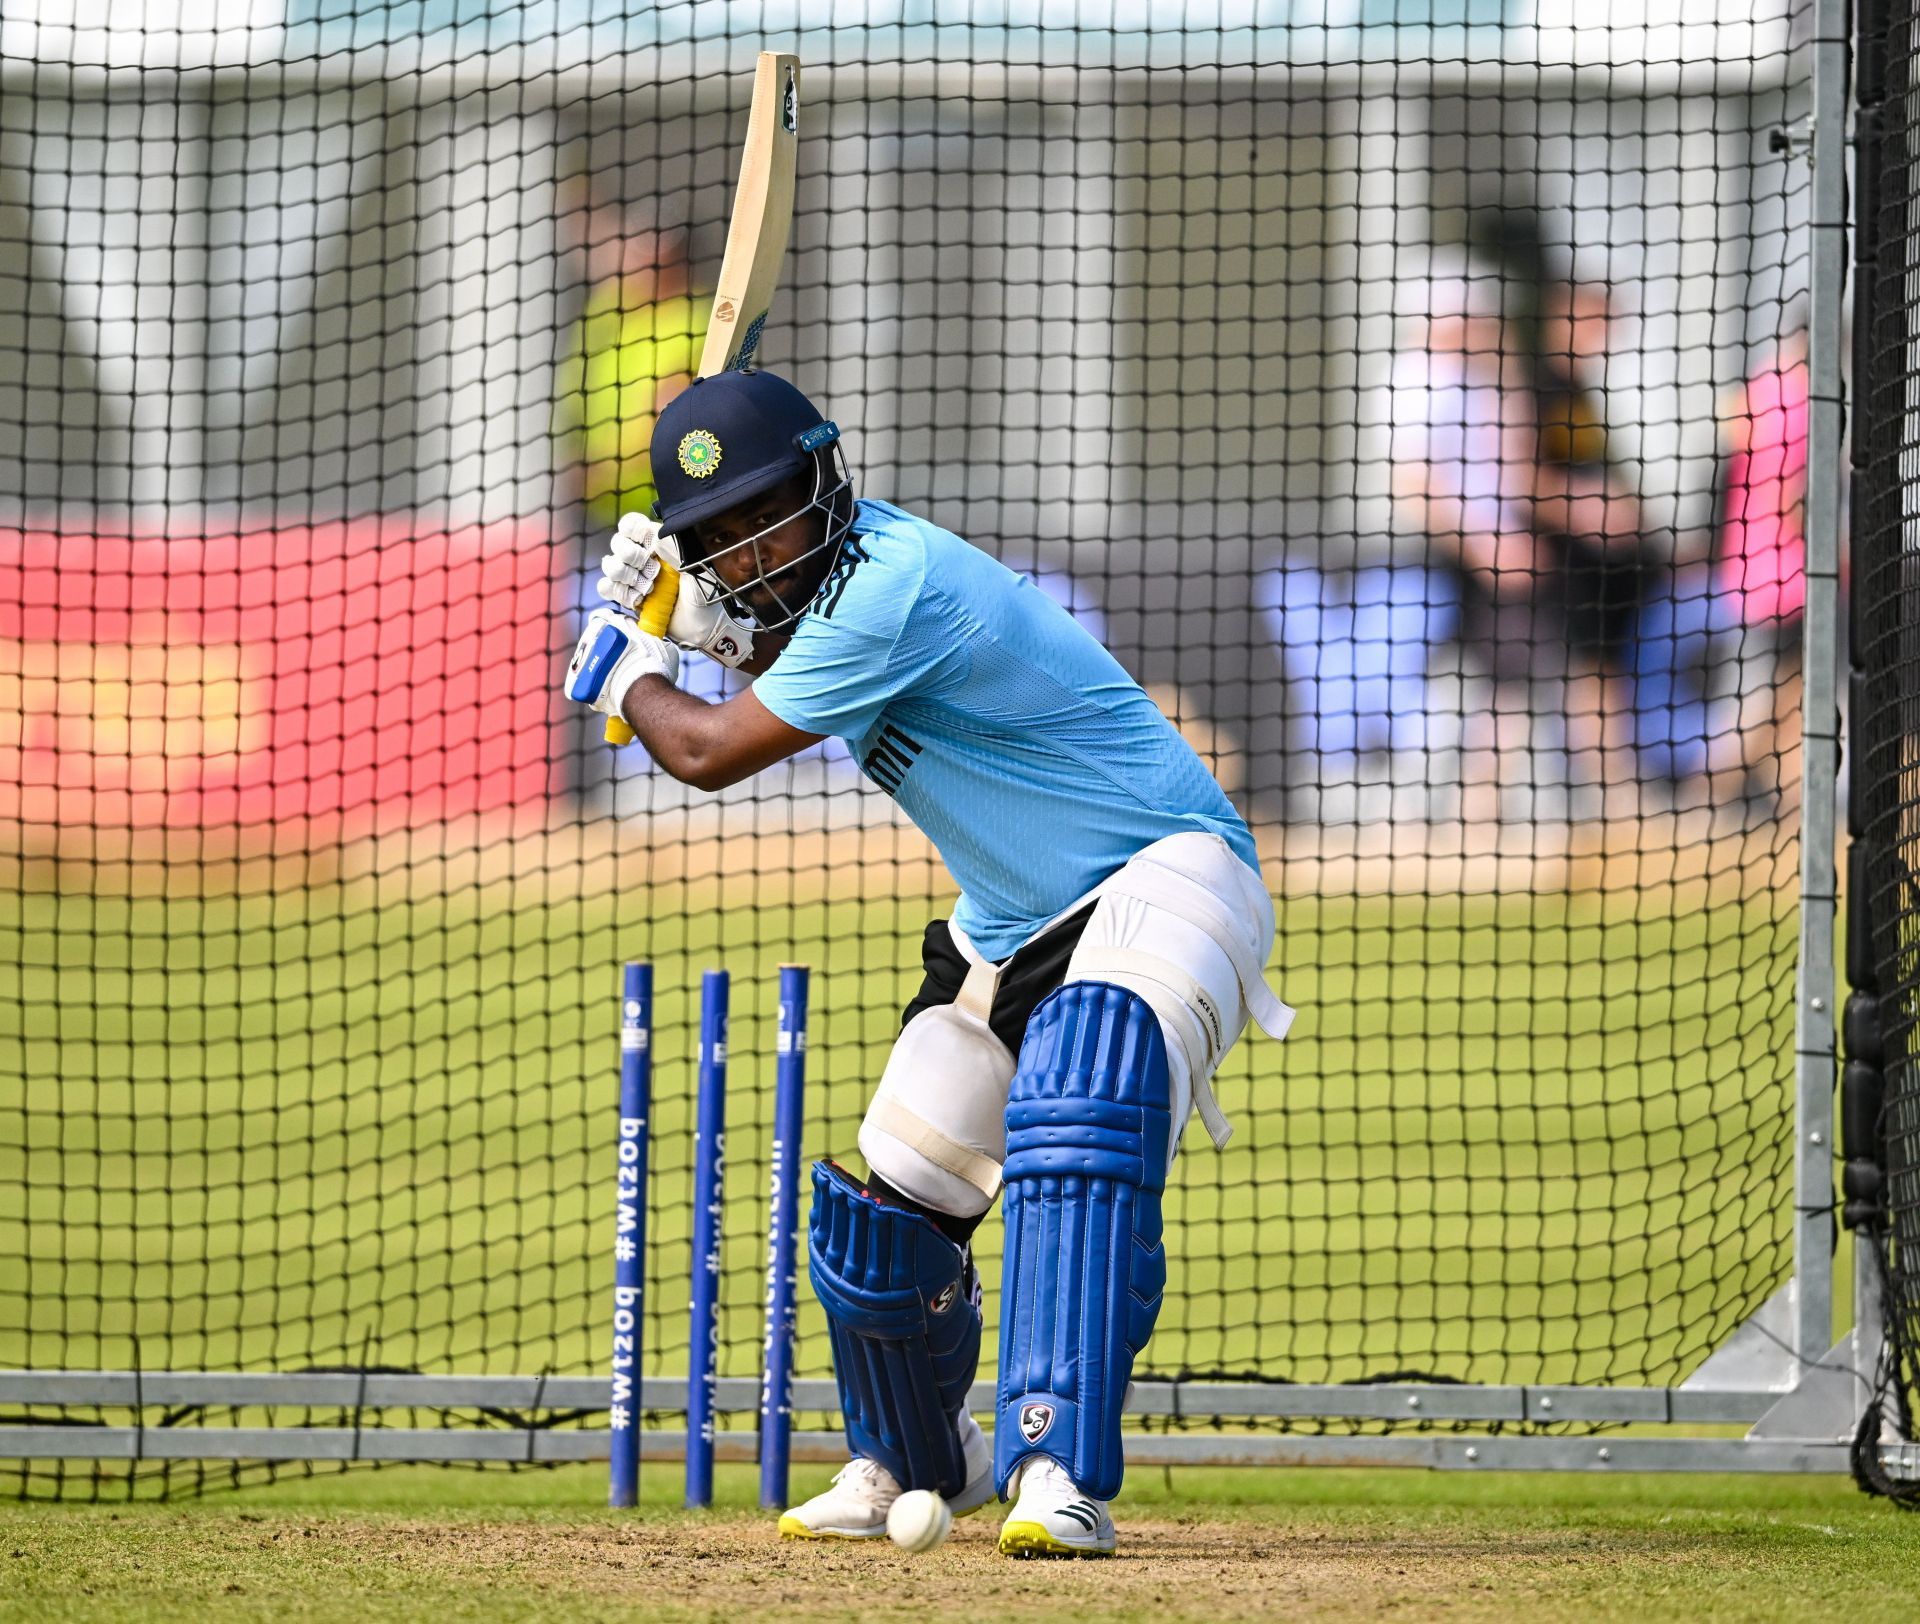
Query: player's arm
[
  {"x": 621, "y": 671},
  {"x": 709, "y": 746}
]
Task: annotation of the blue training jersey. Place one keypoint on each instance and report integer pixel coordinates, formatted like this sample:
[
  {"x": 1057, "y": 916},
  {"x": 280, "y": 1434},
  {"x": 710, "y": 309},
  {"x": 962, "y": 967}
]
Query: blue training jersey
[{"x": 1012, "y": 739}]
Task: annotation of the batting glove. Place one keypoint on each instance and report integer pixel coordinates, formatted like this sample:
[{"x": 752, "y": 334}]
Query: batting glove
[
  {"x": 701, "y": 624},
  {"x": 632, "y": 563},
  {"x": 631, "y": 571},
  {"x": 611, "y": 656}
]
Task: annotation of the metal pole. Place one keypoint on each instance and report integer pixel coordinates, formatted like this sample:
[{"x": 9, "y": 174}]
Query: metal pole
[
  {"x": 630, "y": 1236},
  {"x": 1863, "y": 1077},
  {"x": 1820, "y": 725},
  {"x": 709, "y": 1162},
  {"x": 783, "y": 1238}
]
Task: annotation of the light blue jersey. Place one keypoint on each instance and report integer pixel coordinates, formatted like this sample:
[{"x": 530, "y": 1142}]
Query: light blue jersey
[{"x": 1012, "y": 739}]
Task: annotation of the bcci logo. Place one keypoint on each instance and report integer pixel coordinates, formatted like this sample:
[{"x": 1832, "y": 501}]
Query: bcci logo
[
  {"x": 1034, "y": 1421},
  {"x": 699, "y": 454},
  {"x": 945, "y": 1298}
]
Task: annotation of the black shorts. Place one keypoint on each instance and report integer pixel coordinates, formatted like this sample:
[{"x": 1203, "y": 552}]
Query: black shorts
[{"x": 1026, "y": 978}]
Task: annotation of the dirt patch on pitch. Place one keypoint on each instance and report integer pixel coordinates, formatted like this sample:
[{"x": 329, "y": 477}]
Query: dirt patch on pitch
[{"x": 717, "y": 1568}]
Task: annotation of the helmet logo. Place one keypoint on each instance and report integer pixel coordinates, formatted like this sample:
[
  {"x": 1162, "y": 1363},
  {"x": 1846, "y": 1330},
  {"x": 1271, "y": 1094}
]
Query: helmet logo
[{"x": 699, "y": 454}]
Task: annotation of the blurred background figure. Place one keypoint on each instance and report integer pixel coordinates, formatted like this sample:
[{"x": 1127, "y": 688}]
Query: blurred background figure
[
  {"x": 634, "y": 348},
  {"x": 1594, "y": 559},
  {"x": 1504, "y": 478},
  {"x": 1464, "y": 444},
  {"x": 1716, "y": 659},
  {"x": 1371, "y": 735},
  {"x": 1463, "y": 435}
]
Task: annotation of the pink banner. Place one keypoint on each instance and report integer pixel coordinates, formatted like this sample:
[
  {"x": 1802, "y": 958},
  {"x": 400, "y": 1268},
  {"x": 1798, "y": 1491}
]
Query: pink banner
[{"x": 369, "y": 673}]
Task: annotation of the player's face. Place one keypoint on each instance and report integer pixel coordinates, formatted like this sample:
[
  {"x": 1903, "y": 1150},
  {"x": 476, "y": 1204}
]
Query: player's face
[{"x": 771, "y": 553}]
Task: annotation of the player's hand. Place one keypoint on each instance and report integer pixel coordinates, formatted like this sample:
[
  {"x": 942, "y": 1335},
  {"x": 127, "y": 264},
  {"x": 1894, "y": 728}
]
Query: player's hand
[
  {"x": 612, "y": 655},
  {"x": 699, "y": 623},
  {"x": 630, "y": 571},
  {"x": 632, "y": 564}
]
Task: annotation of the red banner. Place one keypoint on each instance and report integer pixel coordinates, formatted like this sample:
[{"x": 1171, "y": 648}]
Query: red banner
[{"x": 370, "y": 672}]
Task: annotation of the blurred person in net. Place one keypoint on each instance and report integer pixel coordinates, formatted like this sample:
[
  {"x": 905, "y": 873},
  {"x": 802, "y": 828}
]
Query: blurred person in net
[
  {"x": 1716, "y": 658},
  {"x": 1106, "y": 951},
  {"x": 1500, "y": 461},
  {"x": 1463, "y": 443},
  {"x": 1584, "y": 510}
]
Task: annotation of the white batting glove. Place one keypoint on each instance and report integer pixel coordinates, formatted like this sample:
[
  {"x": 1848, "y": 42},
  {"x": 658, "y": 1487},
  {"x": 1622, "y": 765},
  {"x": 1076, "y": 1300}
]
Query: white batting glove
[
  {"x": 699, "y": 623},
  {"x": 632, "y": 563},
  {"x": 612, "y": 655},
  {"x": 631, "y": 570}
]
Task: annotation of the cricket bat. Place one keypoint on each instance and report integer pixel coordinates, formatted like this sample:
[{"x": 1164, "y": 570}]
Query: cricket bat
[{"x": 756, "y": 243}]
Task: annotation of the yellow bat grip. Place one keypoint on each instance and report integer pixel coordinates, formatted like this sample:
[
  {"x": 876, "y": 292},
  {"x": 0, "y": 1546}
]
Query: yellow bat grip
[{"x": 656, "y": 609}]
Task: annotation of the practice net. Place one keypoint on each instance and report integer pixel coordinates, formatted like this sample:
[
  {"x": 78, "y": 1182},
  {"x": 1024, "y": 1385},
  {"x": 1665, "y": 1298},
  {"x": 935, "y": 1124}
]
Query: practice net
[
  {"x": 1419, "y": 411},
  {"x": 1881, "y": 1083}
]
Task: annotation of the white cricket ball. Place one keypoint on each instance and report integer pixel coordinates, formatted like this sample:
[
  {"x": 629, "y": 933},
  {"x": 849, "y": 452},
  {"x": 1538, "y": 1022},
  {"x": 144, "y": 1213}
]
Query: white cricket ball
[{"x": 919, "y": 1520}]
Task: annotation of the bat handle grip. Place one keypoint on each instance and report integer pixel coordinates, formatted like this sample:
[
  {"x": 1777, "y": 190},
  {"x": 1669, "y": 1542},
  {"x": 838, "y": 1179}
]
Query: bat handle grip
[{"x": 655, "y": 611}]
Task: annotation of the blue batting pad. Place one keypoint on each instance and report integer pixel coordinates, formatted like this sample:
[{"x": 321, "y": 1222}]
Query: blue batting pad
[
  {"x": 1088, "y": 1120},
  {"x": 904, "y": 1327}
]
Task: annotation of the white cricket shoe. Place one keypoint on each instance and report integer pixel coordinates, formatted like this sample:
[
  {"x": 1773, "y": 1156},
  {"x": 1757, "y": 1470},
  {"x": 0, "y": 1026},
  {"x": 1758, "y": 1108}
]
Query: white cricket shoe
[
  {"x": 1051, "y": 1517},
  {"x": 863, "y": 1491}
]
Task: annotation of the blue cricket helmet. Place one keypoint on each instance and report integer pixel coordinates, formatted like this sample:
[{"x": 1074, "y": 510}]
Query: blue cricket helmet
[{"x": 730, "y": 437}]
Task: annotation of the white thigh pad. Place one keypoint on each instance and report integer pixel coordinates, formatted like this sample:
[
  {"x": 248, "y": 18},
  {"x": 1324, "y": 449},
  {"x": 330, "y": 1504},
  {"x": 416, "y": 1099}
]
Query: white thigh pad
[
  {"x": 936, "y": 1129},
  {"x": 1188, "y": 926}
]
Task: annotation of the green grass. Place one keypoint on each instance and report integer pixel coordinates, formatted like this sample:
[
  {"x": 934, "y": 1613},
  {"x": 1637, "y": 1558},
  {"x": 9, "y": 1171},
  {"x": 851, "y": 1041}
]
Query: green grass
[
  {"x": 1197, "y": 1545},
  {"x": 1525, "y": 1139}
]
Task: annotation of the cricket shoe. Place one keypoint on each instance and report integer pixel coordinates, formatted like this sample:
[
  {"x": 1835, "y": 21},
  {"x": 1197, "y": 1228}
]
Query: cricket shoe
[
  {"x": 863, "y": 1491},
  {"x": 1051, "y": 1517}
]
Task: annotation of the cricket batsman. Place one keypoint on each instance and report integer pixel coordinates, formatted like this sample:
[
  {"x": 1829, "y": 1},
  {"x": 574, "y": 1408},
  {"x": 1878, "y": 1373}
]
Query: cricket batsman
[{"x": 1106, "y": 951}]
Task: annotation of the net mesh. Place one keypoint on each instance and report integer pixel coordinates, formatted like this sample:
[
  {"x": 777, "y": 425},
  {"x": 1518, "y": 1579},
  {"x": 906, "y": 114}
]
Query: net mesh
[
  {"x": 1418, "y": 411},
  {"x": 1884, "y": 806}
]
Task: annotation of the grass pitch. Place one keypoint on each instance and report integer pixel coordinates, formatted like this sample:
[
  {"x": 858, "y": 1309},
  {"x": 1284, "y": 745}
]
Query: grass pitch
[
  {"x": 1527, "y": 1138},
  {"x": 1197, "y": 1545}
]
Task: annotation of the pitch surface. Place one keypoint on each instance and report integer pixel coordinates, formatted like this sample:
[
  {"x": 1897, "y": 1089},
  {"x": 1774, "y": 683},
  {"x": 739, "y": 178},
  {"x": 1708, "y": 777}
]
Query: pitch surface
[{"x": 1209, "y": 1546}]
